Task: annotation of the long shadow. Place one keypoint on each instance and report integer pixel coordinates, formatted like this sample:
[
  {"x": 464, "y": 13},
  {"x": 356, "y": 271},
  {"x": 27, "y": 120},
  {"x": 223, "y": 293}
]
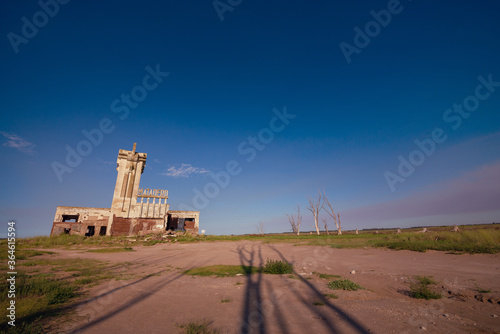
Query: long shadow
[
  {"x": 253, "y": 319},
  {"x": 130, "y": 303},
  {"x": 279, "y": 315},
  {"x": 345, "y": 316},
  {"x": 62, "y": 309}
]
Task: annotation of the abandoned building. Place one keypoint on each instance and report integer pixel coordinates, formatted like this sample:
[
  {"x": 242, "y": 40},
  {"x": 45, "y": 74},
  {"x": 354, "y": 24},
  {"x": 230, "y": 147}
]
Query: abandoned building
[{"x": 134, "y": 211}]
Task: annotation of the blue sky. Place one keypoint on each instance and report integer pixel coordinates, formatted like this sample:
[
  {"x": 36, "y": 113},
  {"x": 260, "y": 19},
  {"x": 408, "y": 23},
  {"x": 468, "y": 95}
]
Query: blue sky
[{"x": 231, "y": 70}]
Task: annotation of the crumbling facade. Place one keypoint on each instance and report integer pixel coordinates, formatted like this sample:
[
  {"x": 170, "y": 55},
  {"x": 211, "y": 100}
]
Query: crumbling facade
[{"x": 133, "y": 211}]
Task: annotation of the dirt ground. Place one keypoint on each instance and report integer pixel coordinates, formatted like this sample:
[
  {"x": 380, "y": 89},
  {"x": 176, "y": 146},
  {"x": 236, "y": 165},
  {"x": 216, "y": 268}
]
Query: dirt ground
[{"x": 161, "y": 298}]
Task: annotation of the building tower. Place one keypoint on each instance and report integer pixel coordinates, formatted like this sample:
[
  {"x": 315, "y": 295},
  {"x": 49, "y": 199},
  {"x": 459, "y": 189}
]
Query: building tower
[{"x": 130, "y": 165}]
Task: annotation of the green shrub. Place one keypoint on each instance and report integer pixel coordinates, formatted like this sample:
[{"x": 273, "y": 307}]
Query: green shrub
[
  {"x": 199, "y": 327},
  {"x": 277, "y": 267},
  {"x": 420, "y": 289},
  {"x": 344, "y": 284}
]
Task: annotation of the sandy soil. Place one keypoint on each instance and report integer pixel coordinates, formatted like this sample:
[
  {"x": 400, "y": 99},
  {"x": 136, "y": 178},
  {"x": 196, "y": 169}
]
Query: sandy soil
[{"x": 161, "y": 297}]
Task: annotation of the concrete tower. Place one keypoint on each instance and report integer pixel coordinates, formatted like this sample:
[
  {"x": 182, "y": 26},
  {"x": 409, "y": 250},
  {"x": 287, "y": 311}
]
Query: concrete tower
[{"x": 130, "y": 166}]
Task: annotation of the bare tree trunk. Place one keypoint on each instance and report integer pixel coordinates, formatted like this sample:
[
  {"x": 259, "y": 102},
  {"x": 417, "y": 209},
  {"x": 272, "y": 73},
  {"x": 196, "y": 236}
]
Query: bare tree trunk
[
  {"x": 339, "y": 226},
  {"x": 260, "y": 228},
  {"x": 331, "y": 213},
  {"x": 315, "y": 206},
  {"x": 295, "y": 221},
  {"x": 325, "y": 223}
]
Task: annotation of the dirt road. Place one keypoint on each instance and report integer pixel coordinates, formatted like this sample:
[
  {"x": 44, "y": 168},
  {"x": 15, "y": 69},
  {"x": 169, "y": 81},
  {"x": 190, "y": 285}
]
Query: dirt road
[{"x": 161, "y": 298}]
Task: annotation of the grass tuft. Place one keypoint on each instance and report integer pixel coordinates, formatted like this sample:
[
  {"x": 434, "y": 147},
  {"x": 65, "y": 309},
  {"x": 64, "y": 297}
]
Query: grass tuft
[
  {"x": 199, "y": 327},
  {"x": 344, "y": 284},
  {"x": 277, "y": 267},
  {"x": 420, "y": 288},
  {"x": 331, "y": 295},
  {"x": 326, "y": 276}
]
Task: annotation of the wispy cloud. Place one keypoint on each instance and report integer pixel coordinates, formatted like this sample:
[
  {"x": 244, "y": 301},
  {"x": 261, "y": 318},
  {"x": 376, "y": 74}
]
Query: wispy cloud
[
  {"x": 184, "y": 170},
  {"x": 107, "y": 162},
  {"x": 17, "y": 142}
]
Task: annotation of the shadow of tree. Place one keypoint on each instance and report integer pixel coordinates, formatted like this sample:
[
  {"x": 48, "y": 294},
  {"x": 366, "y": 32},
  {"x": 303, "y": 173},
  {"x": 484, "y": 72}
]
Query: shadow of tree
[{"x": 332, "y": 328}]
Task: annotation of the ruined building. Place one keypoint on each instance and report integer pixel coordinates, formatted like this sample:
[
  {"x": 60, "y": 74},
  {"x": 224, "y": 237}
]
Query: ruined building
[{"x": 133, "y": 211}]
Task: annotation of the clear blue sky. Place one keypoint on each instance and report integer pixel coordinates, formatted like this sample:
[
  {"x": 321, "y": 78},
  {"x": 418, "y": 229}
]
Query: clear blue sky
[{"x": 360, "y": 101}]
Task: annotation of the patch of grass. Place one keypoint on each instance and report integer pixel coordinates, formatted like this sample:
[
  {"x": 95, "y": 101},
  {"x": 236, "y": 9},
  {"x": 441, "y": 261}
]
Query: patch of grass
[
  {"x": 424, "y": 280},
  {"x": 111, "y": 250},
  {"x": 199, "y": 327},
  {"x": 277, "y": 267},
  {"x": 481, "y": 290},
  {"x": 292, "y": 276},
  {"x": 344, "y": 284},
  {"x": 85, "y": 280},
  {"x": 42, "y": 295},
  {"x": 35, "y": 295},
  {"x": 326, "y": 276},
  {"x": 331, "y": 295},
  {"x": 318, "y": 303},
  {"x": 420, "y": 288},
  {"x": 225, "y": 300},
  {"x": 471, "y": 241},
  {"x": 222, "y": 270},
  {"x": 22, "y": 254},
  {"x": 238, "y": 283}
]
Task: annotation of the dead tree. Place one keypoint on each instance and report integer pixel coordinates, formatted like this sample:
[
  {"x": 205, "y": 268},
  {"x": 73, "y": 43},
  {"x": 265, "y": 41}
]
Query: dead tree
[
  {"x": 295, "y": 220},
  {"x": 339, "y": 228},
  {"x": 260, "y": 228},
  {"x": 325, "y": 224},
  {"x": 331, "y": 213},
  {"x": 315, "y": 206}
]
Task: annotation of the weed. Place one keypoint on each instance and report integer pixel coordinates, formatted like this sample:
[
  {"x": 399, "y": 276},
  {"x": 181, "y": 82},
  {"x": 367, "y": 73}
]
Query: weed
[
  {"x": 199, "y": 327},
  {"x": 318, "y": 303},
  {"x": 331, "y": 295},
  {"x": 481, "y": 290},
  {"x": 277, "y": 267},
  {"x": 420, "y": 289},
  {"x": 326, "y": 276},
  {"x": 344, "y": 284},
  {"x": 225, "y": 300}
]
